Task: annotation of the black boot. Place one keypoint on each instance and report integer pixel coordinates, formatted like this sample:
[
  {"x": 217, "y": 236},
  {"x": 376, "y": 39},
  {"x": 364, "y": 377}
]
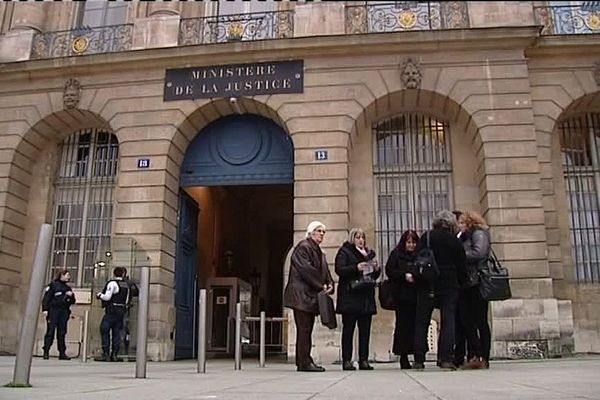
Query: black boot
[
  {"x": 347, "y": 366},
  {"x": 105, "y": 357},
  {"x": 364, "y": 365},
  {"x": 114, "y": 358},
  {"x": 63, "y": 356},
  {"x": 404, "y": 363},
  {"x": 46, "y": 355}
]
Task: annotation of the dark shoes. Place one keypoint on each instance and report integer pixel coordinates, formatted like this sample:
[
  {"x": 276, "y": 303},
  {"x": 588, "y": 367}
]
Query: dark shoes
[
  {"x": 347, "y": 366},
  {"x": 419, "y": 366},
  {"x": 404, "y": 363},
  {"x": 364, "y": 366},
  {"x": 447, "y": 366},
  {"x": 310, "y": 368},
  {"x": 105, "y": 357},
  {"x": 64, "y": 357},
  {"x": 46, "y": 355},
  {"x": 114, "y": 358}
]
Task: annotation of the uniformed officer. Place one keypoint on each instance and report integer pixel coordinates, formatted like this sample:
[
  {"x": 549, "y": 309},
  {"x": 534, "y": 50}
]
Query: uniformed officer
[
  {"x": 134, "y": 291},
  {"x": 115, "y": 298},
  {"x": 56, "y": 306}
]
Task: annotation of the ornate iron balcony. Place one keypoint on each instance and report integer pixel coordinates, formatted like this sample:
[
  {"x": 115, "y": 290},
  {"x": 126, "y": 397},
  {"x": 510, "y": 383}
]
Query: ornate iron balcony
[
  {"x": 236, "y": 27},
  {"x": 569, "y": 19},
  {"x": 74, "y": 42},
  {"x": 406, "y": 16}
]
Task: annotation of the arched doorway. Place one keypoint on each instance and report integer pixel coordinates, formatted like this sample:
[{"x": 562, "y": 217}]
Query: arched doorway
[{"x": 235, "y": 223}]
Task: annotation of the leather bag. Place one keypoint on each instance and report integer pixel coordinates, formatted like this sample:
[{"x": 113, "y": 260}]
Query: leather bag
[
  {"x": 426, "y": 266},
  {"x": 387, "y": 295},
  {"x": 494, "y": 282},
  {"x": 327, "y": 310}
]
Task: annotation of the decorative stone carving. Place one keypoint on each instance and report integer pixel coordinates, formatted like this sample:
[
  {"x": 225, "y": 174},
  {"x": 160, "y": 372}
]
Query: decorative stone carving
[
  {"x": 596, "y": 72},
  {"x": 410, "y": 74},
  {"x": 72, "y": 93}
]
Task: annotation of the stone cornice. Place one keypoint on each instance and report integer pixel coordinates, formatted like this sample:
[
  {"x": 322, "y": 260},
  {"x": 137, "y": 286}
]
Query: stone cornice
[{"x": 304, "y": 47}]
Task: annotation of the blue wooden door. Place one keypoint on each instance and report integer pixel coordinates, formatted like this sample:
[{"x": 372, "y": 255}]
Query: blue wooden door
[{"x": 186, "y": 267}]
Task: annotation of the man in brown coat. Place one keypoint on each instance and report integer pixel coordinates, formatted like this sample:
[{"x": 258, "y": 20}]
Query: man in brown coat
[{"x": 309, "y": 275}]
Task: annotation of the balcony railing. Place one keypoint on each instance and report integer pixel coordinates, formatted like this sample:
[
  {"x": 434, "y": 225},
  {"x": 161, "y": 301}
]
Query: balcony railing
[
  {"x": 105, "y": 39},
  {"x": 406, "y": 16},
  {"x": 236, "y": 27},
  {"x": 569, "y": 19}
]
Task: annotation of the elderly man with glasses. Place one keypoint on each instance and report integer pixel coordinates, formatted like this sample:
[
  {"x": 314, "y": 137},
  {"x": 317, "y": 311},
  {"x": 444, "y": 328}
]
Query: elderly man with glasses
[{"x": 309, "y": 275}]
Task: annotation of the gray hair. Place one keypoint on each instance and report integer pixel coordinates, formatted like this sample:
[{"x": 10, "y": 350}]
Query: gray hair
[
  {"x": 354, "y": 232},
  {"x": 444, "y": 219}
]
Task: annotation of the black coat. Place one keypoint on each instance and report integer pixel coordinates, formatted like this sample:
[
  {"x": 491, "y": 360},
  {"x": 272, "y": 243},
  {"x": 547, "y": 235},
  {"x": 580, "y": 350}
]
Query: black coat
[
  {"x": 308, "y": 274},
  {"x": 449, "y": 256},
  {"x": 351, "y": 301},
  {"x": 398, "y": 264}
]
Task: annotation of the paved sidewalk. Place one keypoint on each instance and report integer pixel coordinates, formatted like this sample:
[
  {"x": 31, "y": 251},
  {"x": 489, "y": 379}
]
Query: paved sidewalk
[{"x": 570, "y": 378}]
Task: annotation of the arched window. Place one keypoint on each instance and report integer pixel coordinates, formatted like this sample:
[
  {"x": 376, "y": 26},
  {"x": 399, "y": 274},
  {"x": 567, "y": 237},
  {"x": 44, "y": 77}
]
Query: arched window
[
  {"x": 412, "y": 172},
  {"x": 580, "y": 145},
  {"x": 83, "y": 202}
]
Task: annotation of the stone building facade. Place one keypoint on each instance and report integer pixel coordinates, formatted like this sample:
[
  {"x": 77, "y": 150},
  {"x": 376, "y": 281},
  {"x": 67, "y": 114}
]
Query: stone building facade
[{"x": 496, "y": 104}]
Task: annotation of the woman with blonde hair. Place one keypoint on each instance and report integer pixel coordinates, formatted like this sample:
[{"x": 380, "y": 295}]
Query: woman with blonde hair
[
  {"x": 356, "y": 266},
  {"x": 473, "y": 310}
]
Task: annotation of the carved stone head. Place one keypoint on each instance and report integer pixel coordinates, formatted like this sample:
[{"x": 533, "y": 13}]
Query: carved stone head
[
  {"x": 71, "y": 93},
  {"x": 410, "y": 75},
  {"x": 596, "y": 72}
]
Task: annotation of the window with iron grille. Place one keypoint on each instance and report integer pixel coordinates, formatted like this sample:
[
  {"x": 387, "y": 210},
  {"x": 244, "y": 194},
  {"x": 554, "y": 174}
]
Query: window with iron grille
[
  {"x": 83, "y": 202},
  {"x": 412, "y": 171},
  {"x": 580, "y": 145}
]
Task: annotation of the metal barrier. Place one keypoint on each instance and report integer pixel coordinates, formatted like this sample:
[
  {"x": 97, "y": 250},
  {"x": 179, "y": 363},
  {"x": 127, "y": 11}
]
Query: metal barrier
[{"x": 266, "y": 333}]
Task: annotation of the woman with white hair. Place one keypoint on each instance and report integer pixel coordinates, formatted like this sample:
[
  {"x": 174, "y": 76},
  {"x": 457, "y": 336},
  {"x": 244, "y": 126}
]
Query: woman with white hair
[
  {"x": 356, "y": 266},
  {"x": 308, "y": 276},
  {"x": 442, "y": 291}
]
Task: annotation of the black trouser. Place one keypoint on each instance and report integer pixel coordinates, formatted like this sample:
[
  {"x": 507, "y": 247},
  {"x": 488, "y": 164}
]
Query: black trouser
[
  {"x": 446, "y": 300},
  {"x": 479, "y": 309},
  {"x": 304, "y": 327},
  {"x": 112, "y": 322},
  {"x": 349, "y": 322},
  {"x": 56, "y": 321},
  {"x": 466, "y": 330},
  {"x": 404, "y": 330}
]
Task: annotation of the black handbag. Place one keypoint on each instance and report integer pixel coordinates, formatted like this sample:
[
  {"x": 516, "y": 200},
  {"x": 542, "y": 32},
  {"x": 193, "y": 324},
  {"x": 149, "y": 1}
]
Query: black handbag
[
  {"x": 327, "y": 310},
  {"x": 426, "y": 266},
  {"x": 494, "y": 283},
  {"x": 362, "y": 283},
  {"x": 387, "y": 295}
]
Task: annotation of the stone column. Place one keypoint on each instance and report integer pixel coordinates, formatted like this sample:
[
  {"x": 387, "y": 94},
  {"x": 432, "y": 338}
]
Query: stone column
[
  {"x": 27, "y": 20},
  {"x": 160, "y": 28}
]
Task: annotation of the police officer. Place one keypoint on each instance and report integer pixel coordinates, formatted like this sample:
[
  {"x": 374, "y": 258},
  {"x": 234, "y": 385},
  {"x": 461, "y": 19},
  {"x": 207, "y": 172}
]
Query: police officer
[
  {"x": 115, "y": 298},
  {"x": 134, "y": 291},
  {"x": 56, "y": 306}
]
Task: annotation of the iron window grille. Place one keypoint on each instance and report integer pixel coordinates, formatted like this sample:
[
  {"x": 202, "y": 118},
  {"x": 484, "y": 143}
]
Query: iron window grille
[
  {"x": 412, "y": 171},
  {"x": 580, "y": 149},
  {"x": 83, "y": 202}
]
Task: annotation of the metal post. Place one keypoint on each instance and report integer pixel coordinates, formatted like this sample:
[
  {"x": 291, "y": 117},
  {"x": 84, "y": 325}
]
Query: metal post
[
  {"x": 142, "y": 333},
  {"x": 263, "y": 321},
  {"x": 202, "y": 331},
  {"x": 238, "y": 336},
  {"x": 36, "y": 286},
  {"x": 86, "y": 320}
]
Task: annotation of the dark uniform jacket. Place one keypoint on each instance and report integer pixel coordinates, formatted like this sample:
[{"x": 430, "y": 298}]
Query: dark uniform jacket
[
  {"x": 477, "y": 249},
  {"x": 351, "y": 301},
  {"x": 308, "y": 274},
  {"x": 398, "y": 264},
  {"x": 55, "y": 296}
]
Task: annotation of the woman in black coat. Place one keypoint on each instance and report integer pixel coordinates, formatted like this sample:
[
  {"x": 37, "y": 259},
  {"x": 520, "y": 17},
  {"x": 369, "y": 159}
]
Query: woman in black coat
[
  {"x": 354, "y": 263},
  {"x": 401, "y": 271}
]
